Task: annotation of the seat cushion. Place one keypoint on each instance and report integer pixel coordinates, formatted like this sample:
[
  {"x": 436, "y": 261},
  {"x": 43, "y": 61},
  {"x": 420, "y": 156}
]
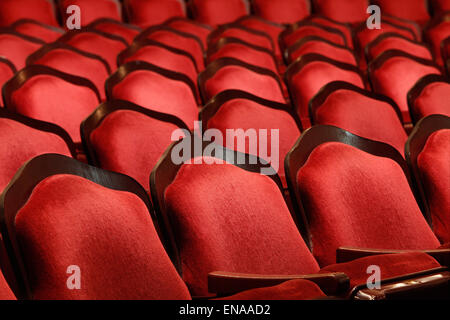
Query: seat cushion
[
  {"x": 17, "y": 49},
  {"x": 433, "y": 99},
  {"x": 38, "y": 31}
]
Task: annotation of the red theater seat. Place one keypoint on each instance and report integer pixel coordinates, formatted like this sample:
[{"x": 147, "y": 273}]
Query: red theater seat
[
  {"x": 177, "y": 39},
  {"x": 359, "y": 111},
  {"x": 39, "y": 10},
  {"x": 146, "y": 13},
  {"x": 314, "y": 44},
  {"x": 430, "y": 95},
  {"x": 37, "y": 30},
  {"x": 409, "y": 24},
  {"x": 217, "y": 12},
  {"x": 17, "y": 47},
  {"x": 255, "y": 37},
  {"x": 123, "y": 137},
  {"x": 282, "y": 11},
  {"x": 440, "y": 6},
  {"x": 235, "y": 109},
  {"x": 117, "y": 28},
  {"x": 162, "y": 55},
  {"x": 428, "y": 154},
  {"x": 105, "y": 45},
  {"x": 350, "y": 11},
  {"x": 5, "y": 291},
  {"x": 394, "y": 73},
  {"x": 92, "y": 10},
  {"x": 445, "y": 52},
  {"x": 50, "y": 95},
  {"x": 415, "y": 10},
  {"x": 238, "y": 49},
  {"x": 307, "y": 75},
  {"x": 7, "y": 70},
  {"x": 391, "y": 40},
  {"x": 156, "y": 89},
  {"x": 345, "y": 28},
  {"x": 199, "y": 30},
  {"x": 229, "y": 73},
  {"x": 435, "y": 32},
  {"x": 68, "y": 59},
  {"x": 368, "y": 187}
]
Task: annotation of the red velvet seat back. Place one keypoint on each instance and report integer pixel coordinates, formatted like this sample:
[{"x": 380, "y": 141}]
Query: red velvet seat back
[
  {"x": 238, "y": 224},
  {"x": 313, "y": 29},
  {"x": 92, "y": 10},
  {"x": 5, "y": 290},
  {"x": 282, "y": 11},
  {"x": 360, "y": 200},
  {"x": 435, "y": 35},
  {"x": 185, "y": 25},
  {"x": 37, "y": 30},
  {"x": 356, "y": 111},
  {"x": 350, "y": 11},
  {"x": 392, "y": 41},
  {"x": 432, "y": 98},
  {"x": 345, "y": 28},
  {"x": 216, "y": 12},
  {"x": 39, "y": 10},
  {"x": 155, "y": 91},
  {"x": 131, "y": 143},
  {"x": 20, "y": 143},
  {"x": 394, "y": 75},
  {"x": 69, "y": 220},
  {"x": 145, "y": 13},
  {"x": 433, "y": 164},
  {"x": 125, "y": 31},
  {"x": 17, "y": 48},
  {"x": 253, "y": 37},
  {"x": 7, "y": 70},
  {"x": 416, "y": 10}
]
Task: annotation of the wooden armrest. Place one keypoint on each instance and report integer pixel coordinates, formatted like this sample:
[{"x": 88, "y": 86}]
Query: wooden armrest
[
  {"x": 228, "y": 283},
  {"x": 346, "y": 254}
]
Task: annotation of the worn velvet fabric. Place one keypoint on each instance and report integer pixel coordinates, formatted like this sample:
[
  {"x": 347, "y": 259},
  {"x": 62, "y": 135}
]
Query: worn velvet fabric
[
  {"x": 396, "y": 77},
  {"x": 359, "y": 200},
  {"x": 217, "y": 12},
  {"x": 282, "y": 11},
  {"x": 20, "y": 143},
  {"x": 390, "y": 43},
  {"x": 415, "y": 10},
  {"x": 40, "y": 10},
  {"x": 119, "y": 30},
  {"x": 77, "y": 64},
  {"x": 238, "y": 224},
  {"x": 337, "y": 53},
  {"x": 434, "y": 99},
  {"x": 93, "y": 10},
  {"x": 351, "y": 11},
  {"x": 108, "y": 234},
  {"x": 366, "y": 117},
  {"x": 16, "y": 49},
  {"x": 146, "y": 13},
  {"x": 131, "y": 143},
  {"x": 52, "y": 99},
  {"x": 156, "y": 92},
  {"x": 433, "y": 164},
  {"x": 37, "y": 31}
]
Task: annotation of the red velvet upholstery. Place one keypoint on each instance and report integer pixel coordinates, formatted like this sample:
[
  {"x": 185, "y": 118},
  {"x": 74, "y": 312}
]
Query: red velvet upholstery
[
  {"x": 434, "y": 99},
  {"x": 17, "y": 49},
  {"x": 433, "y": 164},
  {"x": 339, "y": 53},
  {"x": 5, "y": 72},
  {"x": 247, "y": 114},
  {"x": 260, "y": 40},
  {"x": 95, "y": 43},
  {"x": 181, "y": 42},
  {"x": 289, "y": 290},
  {"x": 366, "y": 117},
  {"x": 312, "y": 30},
  {"x": 156, "y": 92},
  {"x": 69, "y": 220},
  {"x": 411, "y": 25},
  {"x": 216, "y": 12},
  {"x": 440, "y": 5},
  {"x": 396, "y": 76},
  {"x": 282, "y": 11},
  {"x": 164, "y": 58},
  {"x": 359, "y": 200},
  {"x": 311, "y": 78},
  {"x": 5, "y": 290},
  {"x": 20, "y": 143},
  {"x": 145, "y": 13},
  {"x": 237, "y": 77},
  {"x": 39, "y": 10},
  {"x": 435, "y": 35},
  {"x": 36, "y": 30},
  {"x": 247, "y": 54},
  {"x": 220, "y": 222},
  {"x": 118, "y": 29},
  {"x": 77, "y": 64},
  {"x": 389, "y": 43},
  {"x": 131, "y": 143},
  {"x": 344, "y": 28},
  {"x": 52, "y": 99},
  {"x": 391, "y": 265},
  {"x": 350, "y": 11},
  {"x": 415, "y": 10},
  {"x": 188, "y": 26},
  {"x": 92, "y": 10}
]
